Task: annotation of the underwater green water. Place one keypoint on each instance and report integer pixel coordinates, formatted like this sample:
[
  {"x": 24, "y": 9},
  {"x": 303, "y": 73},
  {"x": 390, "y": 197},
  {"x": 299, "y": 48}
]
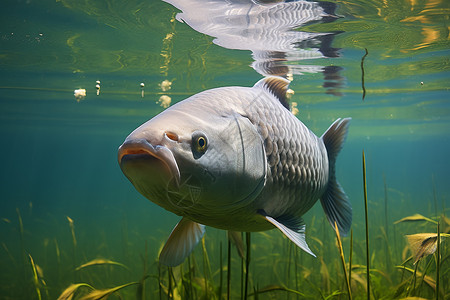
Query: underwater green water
[{"x": 59, "y": 154}]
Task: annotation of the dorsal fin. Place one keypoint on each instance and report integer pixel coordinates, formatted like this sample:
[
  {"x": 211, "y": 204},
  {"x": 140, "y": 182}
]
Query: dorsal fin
[{"x": 277, "y": 86}]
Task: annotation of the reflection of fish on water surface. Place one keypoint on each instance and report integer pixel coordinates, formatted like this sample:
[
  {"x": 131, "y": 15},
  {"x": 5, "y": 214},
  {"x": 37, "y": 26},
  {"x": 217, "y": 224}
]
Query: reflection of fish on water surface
[
  {"x": 236, "y": 158},
  {"x": 272, "y": 31},
  {"x": 246, "y": 25}
]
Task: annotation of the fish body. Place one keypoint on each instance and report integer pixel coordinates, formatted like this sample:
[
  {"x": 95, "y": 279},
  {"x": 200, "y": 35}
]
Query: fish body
[{"x": 236, "y": 158}]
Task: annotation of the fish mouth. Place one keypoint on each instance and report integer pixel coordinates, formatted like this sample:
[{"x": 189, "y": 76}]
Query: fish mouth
[{"x": 141, "y": 149}]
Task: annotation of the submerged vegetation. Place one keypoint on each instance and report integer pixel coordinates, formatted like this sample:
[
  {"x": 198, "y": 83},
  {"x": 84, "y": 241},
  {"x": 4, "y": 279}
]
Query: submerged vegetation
[{"x": 409, "y": 259}]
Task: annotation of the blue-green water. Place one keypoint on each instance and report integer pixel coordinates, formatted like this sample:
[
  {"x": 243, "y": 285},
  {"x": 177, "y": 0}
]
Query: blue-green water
[{"x": 59, "y": 155}]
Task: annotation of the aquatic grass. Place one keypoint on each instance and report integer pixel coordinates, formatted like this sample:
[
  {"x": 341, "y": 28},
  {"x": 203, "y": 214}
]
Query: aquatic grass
[
  {"x": 125, "y": 239},
  {"x": 386, "y": 218},
  {"x": 58, "y": 258},
  {"x": 385, "y": 230},
  {"x": 103, "y": 294},
  {"x": 206, "y": 267},
  {"x": 74, "y": 242},
  {"x": 140, "y": 293},
  {"x": 387, "y": 248},
  {"x": 422, "y": 278},
  {"x": 242, "y": 277},
  {"x": 326, "y": 283},
  {"x": 412, "y": 285},
  {"x": 70, "y": 291},
  {"x": 229, "y": 270},
  {"x": 288, "y": 266},
  {"x": 11, "y": 257},
  {"x": 236, "y": 238},
  {"x": 350, "y": 261},
  {"x": 159, "y": 282},
  {"x": 247, "y": 262},
  {"x": 169, "y": 280},
  {"x": 296, "y": 249},
  {"x": 22, "y": 243},
  {"x": 100, "y": 261},
  {"x": 35, "y": 278},
  {"x": 434, "y": 195},
  {"x": 272, "y": 288},
  {"x": 427, "y": 279},
  {"x": 438, "y": 257},
  {"x": 221, "y": 272},
  {"x": 415, "y": 218},
  {"x": 366, "y": 219},
  {"x": 320, "y": 292},
  {"x": 341, "y": 252},
  {"x": 191, "y": 289}
]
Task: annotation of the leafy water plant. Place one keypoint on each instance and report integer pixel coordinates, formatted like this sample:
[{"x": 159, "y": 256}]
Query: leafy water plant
[{"x": 423, "y": 244}]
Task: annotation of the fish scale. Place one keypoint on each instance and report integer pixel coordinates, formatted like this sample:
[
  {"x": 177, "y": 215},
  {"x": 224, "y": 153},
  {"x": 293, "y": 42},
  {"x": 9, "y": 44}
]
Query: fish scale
[
  {"x": 295, "y": 173},
  {"x": 279, "y": 128}
]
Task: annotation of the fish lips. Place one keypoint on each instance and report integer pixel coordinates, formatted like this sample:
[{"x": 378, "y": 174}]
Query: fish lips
[{"x": 140, "y": 151}]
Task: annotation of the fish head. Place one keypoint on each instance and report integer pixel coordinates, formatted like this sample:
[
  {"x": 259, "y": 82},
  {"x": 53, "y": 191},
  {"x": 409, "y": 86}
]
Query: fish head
[{"x": 195, "y": 161}]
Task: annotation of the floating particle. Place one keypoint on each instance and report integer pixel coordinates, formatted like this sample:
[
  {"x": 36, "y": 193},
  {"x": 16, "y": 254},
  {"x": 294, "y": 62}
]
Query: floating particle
[
  {"x": 164, "y": 101},
  {"x": 289, "y": 93},
  {"x": 79, "y": 94},
  {"x": 289, "y": 76},
  {"x": 294, "y": 108},
  {"x": 165, "y": 85},
  {"x": 142, "y": 89}
]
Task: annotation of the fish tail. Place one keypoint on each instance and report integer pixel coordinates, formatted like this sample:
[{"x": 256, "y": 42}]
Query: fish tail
[{"x": 334, "y": 201}]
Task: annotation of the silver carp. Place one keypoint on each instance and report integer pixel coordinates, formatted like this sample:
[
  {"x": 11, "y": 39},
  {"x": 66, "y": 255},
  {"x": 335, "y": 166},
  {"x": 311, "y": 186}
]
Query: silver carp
[{"x": 236, "y": 158}]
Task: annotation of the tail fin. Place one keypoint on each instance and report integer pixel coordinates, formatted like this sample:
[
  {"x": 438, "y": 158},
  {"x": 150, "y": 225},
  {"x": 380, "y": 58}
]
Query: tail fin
[{"x": 334, "y": 201}]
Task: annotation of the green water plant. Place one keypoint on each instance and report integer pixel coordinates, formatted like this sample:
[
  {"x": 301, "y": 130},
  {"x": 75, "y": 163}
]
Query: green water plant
[
  {"x": 415, "y": 218},
  {"x": 100, "y": 261},
  {"x": 247, "y": 263},
  {"x": 341, "y": 252},
  {"x": 35, "y": 278},
  {"x": 272, "y": 288},
  {"x": 71, "y": 290},
  {"x": 74, "y": 241},
  {"x": 104, "y": 294},
  {"x": 367, "y": 222},
  {"x": 438, "y": 259},
  {"x": 423, "y": 244}
]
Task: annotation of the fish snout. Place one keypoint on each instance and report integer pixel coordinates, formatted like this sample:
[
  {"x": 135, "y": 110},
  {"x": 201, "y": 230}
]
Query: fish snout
[{"x": 141, "y": 151}]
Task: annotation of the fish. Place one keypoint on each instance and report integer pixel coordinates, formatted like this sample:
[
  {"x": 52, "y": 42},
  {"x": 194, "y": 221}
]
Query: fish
[{"x": 236, "y": 158}]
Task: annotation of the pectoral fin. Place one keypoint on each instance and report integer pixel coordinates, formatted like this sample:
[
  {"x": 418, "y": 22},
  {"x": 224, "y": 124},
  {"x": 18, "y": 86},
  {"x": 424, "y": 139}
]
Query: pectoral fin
[
  {"x": 293, "y": 228},
  {"x": 181, "y": 242}
]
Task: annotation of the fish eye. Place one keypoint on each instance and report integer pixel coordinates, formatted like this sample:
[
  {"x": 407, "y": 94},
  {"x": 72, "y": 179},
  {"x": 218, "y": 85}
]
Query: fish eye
[{"x": 199, "y": 143}]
